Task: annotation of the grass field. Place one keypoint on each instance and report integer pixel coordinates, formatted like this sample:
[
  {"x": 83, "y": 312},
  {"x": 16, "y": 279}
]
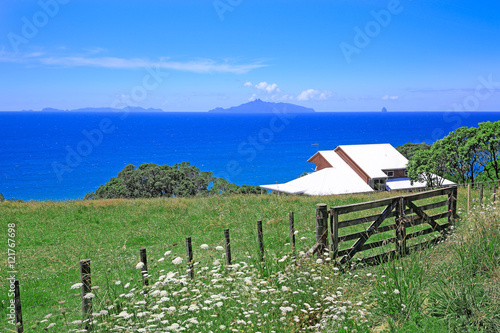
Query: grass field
[{"x": 277, "y": 295}]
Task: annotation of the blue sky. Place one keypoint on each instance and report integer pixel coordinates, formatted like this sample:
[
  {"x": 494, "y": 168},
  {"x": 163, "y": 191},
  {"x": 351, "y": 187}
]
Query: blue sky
[{"x": 183, "y": 55}]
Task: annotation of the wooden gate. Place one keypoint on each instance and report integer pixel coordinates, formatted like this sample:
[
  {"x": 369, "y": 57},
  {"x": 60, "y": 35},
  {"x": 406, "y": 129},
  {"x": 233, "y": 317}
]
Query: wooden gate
[{"x": 407, "y": 214}]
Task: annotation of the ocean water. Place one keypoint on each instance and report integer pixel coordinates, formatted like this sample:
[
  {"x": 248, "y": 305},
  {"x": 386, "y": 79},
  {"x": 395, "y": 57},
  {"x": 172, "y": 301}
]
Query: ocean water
[{"x": 60, "y": 156}]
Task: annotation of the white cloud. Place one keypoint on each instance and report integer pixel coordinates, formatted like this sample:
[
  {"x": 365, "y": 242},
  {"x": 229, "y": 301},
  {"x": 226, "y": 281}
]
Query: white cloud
[
  {"x": 387, "y": 97},
  {"x": 313, "y": 94},
  {"x": 196, "y": 66},
  {"x": 287, "y": 97},
  {"x": 252, "y": 98},
  {"x": 248, "y": 84},
  {"x": 267, "y": 87}
]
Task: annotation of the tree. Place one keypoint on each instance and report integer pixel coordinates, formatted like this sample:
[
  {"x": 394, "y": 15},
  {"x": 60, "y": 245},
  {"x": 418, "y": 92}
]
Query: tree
[
  {"x": 428, "y": 167},
  {"x": 489, "y": 136},
  {"x": 465, "y": 155},
  {"x": 115, "y": 188},
  {"x": 2, "y": 198},
  {"x": 409, "y": 149},
  {"x": 460, "y": 151},
  {"x": 150, "y": 180}
]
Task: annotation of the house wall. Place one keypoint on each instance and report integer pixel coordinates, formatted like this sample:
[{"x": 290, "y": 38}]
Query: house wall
[
  {"x": 320, "y": 161},
  {"x": 354, "y": 166},
  {"x": 399, "y": 173}
]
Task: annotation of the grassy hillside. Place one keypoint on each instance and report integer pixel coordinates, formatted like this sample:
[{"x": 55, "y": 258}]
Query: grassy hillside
[{"x": 278, "y": 296}]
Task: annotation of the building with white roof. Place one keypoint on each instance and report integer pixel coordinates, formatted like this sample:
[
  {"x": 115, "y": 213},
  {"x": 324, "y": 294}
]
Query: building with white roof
[
  {"x": 340, "y": 178},
  {"x": 353, "y": 169}
]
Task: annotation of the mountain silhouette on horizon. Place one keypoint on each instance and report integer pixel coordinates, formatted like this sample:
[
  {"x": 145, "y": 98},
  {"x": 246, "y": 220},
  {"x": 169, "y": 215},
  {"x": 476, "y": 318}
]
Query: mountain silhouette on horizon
[
  {"x": 106, "y": 109},
  {"x": 259, "y": 106}
]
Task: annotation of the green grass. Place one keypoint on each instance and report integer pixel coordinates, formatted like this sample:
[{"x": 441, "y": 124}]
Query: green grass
[{"x": 51, "y": 238}]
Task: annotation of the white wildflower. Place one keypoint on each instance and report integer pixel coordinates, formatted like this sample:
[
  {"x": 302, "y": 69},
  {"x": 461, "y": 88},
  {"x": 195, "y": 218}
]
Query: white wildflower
[
  {"x": 139, "y": 265},
  {"x": 204, "y": 246},
  {"x": 77, "y": 285},
  {"x": 177, "y": 261},
  {"x": 89, "y": 296},
  {"x": 283, "y": 259}
]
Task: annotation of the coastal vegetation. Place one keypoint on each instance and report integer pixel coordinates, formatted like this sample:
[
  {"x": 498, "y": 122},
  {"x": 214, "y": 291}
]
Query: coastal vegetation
[
  {"x": 150, "y": 180},
  {"x": 466, "y": 155},
  {"x": 409, "y": 149},
  {"x": 452, "y": 287}
]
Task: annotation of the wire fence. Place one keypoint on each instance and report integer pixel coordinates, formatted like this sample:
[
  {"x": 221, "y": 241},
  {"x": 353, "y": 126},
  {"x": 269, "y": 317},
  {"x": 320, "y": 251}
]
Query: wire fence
[
  {"x": 46, "y": 298},
  {"x": 42, "y": 297}
]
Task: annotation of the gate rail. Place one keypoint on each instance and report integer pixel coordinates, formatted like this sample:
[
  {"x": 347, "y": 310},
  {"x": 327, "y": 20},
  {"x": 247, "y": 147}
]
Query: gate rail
[{"x": 406, "y": 214}]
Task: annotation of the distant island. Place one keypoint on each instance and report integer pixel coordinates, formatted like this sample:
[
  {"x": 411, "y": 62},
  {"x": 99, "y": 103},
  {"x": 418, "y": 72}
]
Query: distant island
[
  {"x": 256, "y": 106},
  {"x": 259, "y": 106},
  {"x": 105, "y": 109}
]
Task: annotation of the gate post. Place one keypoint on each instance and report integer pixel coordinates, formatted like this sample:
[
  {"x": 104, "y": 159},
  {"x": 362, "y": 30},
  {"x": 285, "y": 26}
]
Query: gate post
[
  {"x": 400, "y": 227},
  {"x": 452, "y": 204},
  {"x": 334, "y": 229},
  {"x": 321, "y": 228}
]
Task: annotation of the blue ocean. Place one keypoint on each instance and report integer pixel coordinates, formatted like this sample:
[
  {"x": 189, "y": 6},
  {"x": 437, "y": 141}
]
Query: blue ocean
[{"x": 61, "y": 156}]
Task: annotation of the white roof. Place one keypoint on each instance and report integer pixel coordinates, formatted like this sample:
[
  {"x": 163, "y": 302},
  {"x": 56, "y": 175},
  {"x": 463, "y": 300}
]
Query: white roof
[
  {"x": 329, "y": 155},
  {"x": 374, "y": 158},
  {"x": 405, "y": 184},
  {"x": 339, "y": 179}
]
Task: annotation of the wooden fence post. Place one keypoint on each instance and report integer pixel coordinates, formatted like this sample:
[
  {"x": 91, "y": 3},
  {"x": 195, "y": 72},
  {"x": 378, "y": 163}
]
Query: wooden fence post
[
  {"x": 17, "y": 308},
  {"x": 86, "y": 288},
  {"x": 452, "y": 204},
  {"x": 481, "y": 195},
  {"x": 291, "y": 223},
  {"x": 468, "y": 199},
  {"x": 144, "y": 269},
  {"x": 454, "y": 199},
  {"x": 260, "y": 238},
  {"x": 189, "y": 251},
  {"x": 321, "y": 228},
  {"x": 228, "y": 246},
  {"x": 334, "y": 228},
  {"x": 400, "y": 228}
]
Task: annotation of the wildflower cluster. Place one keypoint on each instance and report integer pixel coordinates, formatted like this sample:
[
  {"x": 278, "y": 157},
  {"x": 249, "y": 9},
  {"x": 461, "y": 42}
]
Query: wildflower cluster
[{"x": 236, "y": 298}]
